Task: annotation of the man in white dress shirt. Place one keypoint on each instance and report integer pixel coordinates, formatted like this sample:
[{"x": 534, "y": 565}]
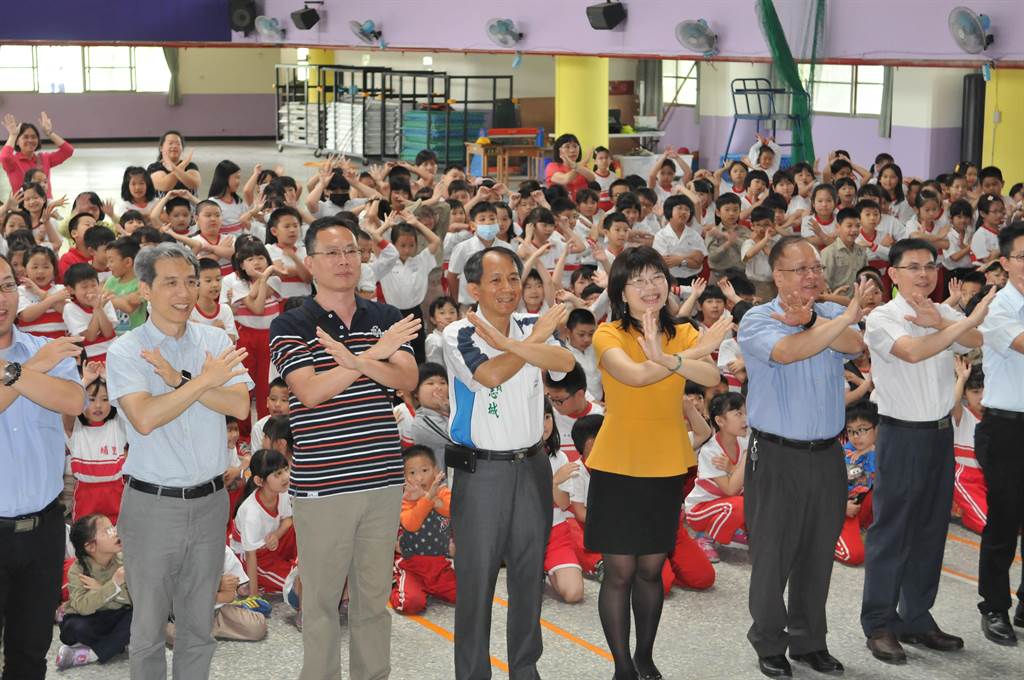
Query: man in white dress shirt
[
  {"x": 912, "y": 342},
  {"x": 997, "y": 442}
]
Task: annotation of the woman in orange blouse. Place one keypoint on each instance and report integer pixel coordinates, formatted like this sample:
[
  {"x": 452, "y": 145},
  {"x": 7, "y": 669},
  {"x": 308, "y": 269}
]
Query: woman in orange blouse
[{"x": 642, "y": 450}]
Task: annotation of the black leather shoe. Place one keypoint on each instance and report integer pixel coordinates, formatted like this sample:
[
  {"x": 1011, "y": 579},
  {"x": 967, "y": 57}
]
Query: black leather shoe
[
  {"x": 885, "y": 647},
  {"x": 1018, "y": 615},
  {"x": 775, "y": 666},
  {"x": 652, "y": 674},
  {"x": 996, "y": 627},
  {"x": 936, "y": 639},
  {"x": 821, "y": 661}
]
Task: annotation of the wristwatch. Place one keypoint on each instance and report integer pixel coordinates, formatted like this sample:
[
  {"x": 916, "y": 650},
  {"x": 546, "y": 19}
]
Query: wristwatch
[
  {"x": 185, "y": 377},
  {"x": 810, "y": 324},
  {"x": 11, "y": 373}
]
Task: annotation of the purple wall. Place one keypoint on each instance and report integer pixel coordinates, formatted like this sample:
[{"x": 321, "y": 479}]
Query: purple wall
[
  {"x": 126, "y": 115},
  {"x": 123, "y": 20},
  {"x": 921, "y": 152},
  {"x": 905, "y": 30}
]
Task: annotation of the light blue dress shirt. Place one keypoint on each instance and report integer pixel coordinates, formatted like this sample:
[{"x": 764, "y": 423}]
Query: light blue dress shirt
[
  {"x": 31, "y": 439},
  {"x": 1003, "y": 365},
  {"x": 192, "y": 448},
  {"x": 803, "y": 400}
]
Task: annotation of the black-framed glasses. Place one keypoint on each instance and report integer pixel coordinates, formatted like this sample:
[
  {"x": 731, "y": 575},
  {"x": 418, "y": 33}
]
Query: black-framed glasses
[
  {"x": 337, "y": 254},
  {"x": 860, "y": 432},
  {"x": 804, "y": 271},
  {"x": 9, "y": 287},
  {"x": 929, "y": 268},
  {"x": 1019, "y": 257}
]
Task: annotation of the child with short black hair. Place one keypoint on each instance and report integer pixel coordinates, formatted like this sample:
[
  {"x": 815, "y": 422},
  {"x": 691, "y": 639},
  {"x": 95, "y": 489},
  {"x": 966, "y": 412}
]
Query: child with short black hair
[
  {"x": 969, "y": 489},
  {"x": 278, "y": 404},
  {"x": 130, "y": 222},
  {"x": 284, "y": 229},
  {"x": 173, "y": 212},
  {"x": 78, "y": 225},
  {"x": 754, "y": 252},
  {"x": 264, "y": 534},
  {"x": 127, "y": 301},
  {"x": 843, "y": 258},
  {"x": 88, "y": 313},
  {"x": 96, "y": 242},
  {"x": 442, "y": 311},
  {"x": 956, "y": 259},
  {"x": 861, "y": 430},
  {"x": 98, "y": 614},
  {"x": 423, "y": 567},
  {"x": 820, "y": 226},
  {"x": 724, "y": 241},
  {"x": 581, "y": 325},
  {"x": 41, "y": 302},
  {"x": 208, "y": 310}
]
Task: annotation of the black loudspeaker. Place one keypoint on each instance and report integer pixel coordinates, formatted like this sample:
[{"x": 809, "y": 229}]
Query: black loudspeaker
[
  {"x": 243, "y": 15},
  {"x": 606, "y": 16},
  {"x": 973, "y": 123},
  {"x": 305, "y": 19}
]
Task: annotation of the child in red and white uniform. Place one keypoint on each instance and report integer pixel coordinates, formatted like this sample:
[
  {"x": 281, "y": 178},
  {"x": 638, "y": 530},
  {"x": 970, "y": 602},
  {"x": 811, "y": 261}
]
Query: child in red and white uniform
[
  {"x": 254, "y": 293},
  {"x": 969, "y": 490},
  {"x": 40, "y": 300},
  {"x": 98, "y": 444},
  {"x": 89, "y": 313},
  {"x": 561, "y": 560},
  {"x": 714, "y": 508},
  {"x": 283, "y": 230},
  {"x": 227, "y": 177},
  {"x": 604, "y": 176},
  {"x": 211, "y": 241},
  {"x": 208, "y": 310},
  {"x": 570, "y": 402},
  {"x": 859, "y": 451},
  {"x": 264, "y": 536},
  {"x": 423, "y": 566},
  {"x": 820, "y": 226}
]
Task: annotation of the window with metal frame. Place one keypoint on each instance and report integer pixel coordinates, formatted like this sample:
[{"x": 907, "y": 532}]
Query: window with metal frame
[
  {"x": 846, "y": 89},
  {"x": 64, "y": 69},
  {"x": 679, "y": 81}
]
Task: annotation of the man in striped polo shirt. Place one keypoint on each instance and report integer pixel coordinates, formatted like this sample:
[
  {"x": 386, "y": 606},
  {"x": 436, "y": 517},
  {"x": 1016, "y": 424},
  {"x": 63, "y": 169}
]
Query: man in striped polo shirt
[{"x": 340, "y": 355}]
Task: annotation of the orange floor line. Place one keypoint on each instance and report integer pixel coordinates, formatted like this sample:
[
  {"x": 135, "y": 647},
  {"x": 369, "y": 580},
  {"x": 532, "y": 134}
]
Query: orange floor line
[
  {"x": 974, "y": 544},
  {"x": 567, "y": 635},
  {"x": 449, "y": 636}
]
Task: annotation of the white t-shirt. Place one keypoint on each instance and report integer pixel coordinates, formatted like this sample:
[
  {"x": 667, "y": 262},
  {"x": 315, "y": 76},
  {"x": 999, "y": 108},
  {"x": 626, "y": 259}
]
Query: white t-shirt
[
  {"x": 293, "y": 285},
  {"x": 704, "y": 489},
  {"x": 232, "y": 567},
  {"x": 223, "y": 314},
  {"x": 461, "y": 254},
  {"x": 98, "y": 451},
  {"x": 557, "y": 514},
  {"x": 588, "y": 360},
  {"x": 77, "y": 319},
  {"x": 728, "y": 352},
  {"x": 405, "y": 285},
  {"x": 963, "y": 438},
  {"x": 231, "y": 216},
  {"x": 254, "y": 522},
  {"x": 237, "y": 289},
  {"x": 564, "y": 424},
  {"x": 757, "y": 266},
  {"x": 49, "y": 323},
  {"x": 434, "y": 347},
  {"x": 983, "y": 243},
  {"x": 667, "y": 243},
  {"x": 807, "y": 232},
  {"x": 957, "y": 242}
]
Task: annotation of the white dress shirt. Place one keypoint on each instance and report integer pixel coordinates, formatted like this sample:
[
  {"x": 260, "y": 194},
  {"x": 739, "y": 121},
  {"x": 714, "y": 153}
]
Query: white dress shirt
[
  {"x": 1004, "y": 366},
  {"x": 405, "y": 285},
  {"x": 667, "y": 243},
  {"x": 915, "y": 392}
]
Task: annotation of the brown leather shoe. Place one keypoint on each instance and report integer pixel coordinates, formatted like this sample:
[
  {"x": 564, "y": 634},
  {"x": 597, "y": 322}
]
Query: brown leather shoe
[
  {"x": 885, "y": 647},
  {"x": 935, "y": 639}
]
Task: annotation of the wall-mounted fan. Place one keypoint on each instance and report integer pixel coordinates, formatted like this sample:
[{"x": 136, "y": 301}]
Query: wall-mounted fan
[
  {"x": 970, "y": 30},
  {"x": 368, "y": 32},
  {"x": 696, "y": 36},
  {"x": 270, "y": 29},
  {"x": 503, "y": 32}
]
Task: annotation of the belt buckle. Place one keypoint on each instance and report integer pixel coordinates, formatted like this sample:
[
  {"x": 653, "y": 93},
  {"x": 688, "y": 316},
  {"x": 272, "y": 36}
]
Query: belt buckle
[
  {"x": 520, "y": 455},
  {"x": 944, "y": 424},
  {"x": 25, "y": 524}
]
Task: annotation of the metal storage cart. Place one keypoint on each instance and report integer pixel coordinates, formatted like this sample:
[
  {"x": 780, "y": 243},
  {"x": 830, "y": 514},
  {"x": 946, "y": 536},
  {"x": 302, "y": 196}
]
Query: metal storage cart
[{"x": 298, "y": 111}]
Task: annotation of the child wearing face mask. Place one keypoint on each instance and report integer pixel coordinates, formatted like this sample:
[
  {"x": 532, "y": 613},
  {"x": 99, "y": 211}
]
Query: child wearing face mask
[{"x": 484, "y": 222}]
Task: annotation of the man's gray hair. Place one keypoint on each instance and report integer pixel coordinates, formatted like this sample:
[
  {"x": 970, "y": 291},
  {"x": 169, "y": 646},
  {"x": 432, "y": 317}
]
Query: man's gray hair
[
  {"x": 474, "y": 267},
  {"x": 145, "y": 261}
]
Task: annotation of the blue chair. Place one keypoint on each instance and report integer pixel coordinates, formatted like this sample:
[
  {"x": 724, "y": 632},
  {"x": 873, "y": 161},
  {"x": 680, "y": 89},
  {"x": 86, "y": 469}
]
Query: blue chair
[{"x": 754, "y": 99}]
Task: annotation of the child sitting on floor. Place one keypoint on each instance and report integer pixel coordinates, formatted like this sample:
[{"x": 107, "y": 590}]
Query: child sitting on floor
[
  {"x": 98, "y": 614},
  {"x": 861, "y": 424},
  {"x": 969, "y": 490},
  {"x": 264, "y": 535},
  {"x": 423, "y": 566},
  {"x": 714, "y": 508},
  {"x": 561, "y": 560}
]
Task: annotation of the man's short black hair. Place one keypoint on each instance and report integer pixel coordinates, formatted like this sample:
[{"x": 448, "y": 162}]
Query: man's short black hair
[
  {"x": 906, "y": 245},
  {"x": 1008, "y": 235},
  {"x": 779, "y": 249},
  {"x": 345, "y": 220}
]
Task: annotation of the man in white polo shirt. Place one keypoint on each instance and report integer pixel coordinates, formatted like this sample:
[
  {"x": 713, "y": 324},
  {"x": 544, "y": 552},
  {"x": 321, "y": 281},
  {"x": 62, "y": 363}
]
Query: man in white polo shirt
[
  {"x": 997, "y": 442},
  {"x": 912, "y": 342},
  {"x": 502, "y": 489},
  {"x": 681, "y": 245}
]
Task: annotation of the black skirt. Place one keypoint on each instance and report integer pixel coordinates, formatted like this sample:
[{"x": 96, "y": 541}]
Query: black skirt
[{"x": 632, "y": 515}]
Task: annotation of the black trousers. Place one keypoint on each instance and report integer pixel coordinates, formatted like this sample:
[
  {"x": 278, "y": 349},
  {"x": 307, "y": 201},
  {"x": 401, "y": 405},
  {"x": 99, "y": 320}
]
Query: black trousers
[
  {"x": 419, "y": 343},
  {"x": 106, "y": 632},
  {"x": 998, "y": 446},
  {"x": 31, "y": 567},
  {"x": 907, "y": 540},
  {"x": 794, "y": 506}
]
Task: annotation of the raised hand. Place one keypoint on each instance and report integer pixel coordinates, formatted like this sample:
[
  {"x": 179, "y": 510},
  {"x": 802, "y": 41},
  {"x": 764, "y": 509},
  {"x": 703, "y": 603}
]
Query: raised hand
[
  {"x": 955, "y": 289},
  {"x": 170, "y": 375},
  {"x": 338, "y": 351},
  {"x": 435, "y": 487},
  {"x": 712, "y": 338},
  {"x": 11, "y": 123},
  {"x": 962, "y": 366},
  {"x": 392, "y": 339},
  {"x": 45, "y": 124},
  {"x": 93, "y": 371},
  {"x": 796, "y": 311},
  {"x": 54, "y": 352},
  {"x": 223, "y": 368},
  {"x": 549, "y": 322},
  {"x": 926, "y": 313},
  {"x": 981, "y": 309},
  {"x": 565, "y": 472},
  {"x": 651, "y": 343},
  {"x": 698, "y": 286}
]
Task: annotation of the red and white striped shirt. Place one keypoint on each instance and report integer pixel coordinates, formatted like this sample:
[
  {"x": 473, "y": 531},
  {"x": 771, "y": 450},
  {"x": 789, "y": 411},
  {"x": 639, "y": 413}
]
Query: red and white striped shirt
[
  {"x": 963, "y": 438},
  {"x": 231, "y": 216},
  {"x": 77, "y": 318},
  {"x": 50, "y": 324},
  {"x": 704, "y": 489},
  {"x": 239, "y": 290},
  {"x": 98, "y": 451},
  {"x": 225, "y": 262},
  {"x": 292, "y": 285}
]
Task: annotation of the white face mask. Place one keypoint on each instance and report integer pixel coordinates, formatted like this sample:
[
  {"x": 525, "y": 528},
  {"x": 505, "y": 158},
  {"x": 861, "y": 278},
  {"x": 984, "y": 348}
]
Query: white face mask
[{"x": 488, "y": 232}]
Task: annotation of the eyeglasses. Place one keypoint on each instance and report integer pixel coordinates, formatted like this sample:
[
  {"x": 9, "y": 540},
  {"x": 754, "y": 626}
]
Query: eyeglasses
[
  {"x": 335, "y": 255},
  {"x": 858, "y": 433},
  {"x": 654, "y": 282},
  {"x": 1019, "y": 257},
  {"x": 558, "y": 402},
  {"x": 930, "y": 268},
  {"x": 9, "y": 287},
  {"x": 804, "y": 271}
]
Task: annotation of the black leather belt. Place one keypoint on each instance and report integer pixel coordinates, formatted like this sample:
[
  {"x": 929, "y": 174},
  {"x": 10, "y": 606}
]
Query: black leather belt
[
  {"x": 940, "y": 424},
  {"x": 185, "y": 493},
  {"x": 1000, "y": 413},
  {"x": 803, "y": 444},
  {"x": 29, "y": 522},
  {"x": 513, "y": 454}
]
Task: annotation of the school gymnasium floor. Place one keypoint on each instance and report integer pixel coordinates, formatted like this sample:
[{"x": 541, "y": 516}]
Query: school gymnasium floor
[{"x": 702, "y": 635}]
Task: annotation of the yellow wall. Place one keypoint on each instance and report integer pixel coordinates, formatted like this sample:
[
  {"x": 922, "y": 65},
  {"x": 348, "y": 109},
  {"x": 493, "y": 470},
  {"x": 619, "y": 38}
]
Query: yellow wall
[
  {"x": 1002, "y": 141},
  {"x": 581, "y": 99},
  {"x": 207, "y": 70}
]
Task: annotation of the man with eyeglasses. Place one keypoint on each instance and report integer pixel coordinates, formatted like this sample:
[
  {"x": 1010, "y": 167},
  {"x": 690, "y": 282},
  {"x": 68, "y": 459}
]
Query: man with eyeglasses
[
  {"x": 342, "y": 356},
  {"x": 997, "y": 443},
  {"x": 795, "y": 476},
  {"x": 38, "y": 384},
  {"x": 912, "y": 342}
]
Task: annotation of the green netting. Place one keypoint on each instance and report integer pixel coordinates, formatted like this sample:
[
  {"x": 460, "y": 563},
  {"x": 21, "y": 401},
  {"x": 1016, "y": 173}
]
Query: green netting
[{"x": 785, "y": 66}]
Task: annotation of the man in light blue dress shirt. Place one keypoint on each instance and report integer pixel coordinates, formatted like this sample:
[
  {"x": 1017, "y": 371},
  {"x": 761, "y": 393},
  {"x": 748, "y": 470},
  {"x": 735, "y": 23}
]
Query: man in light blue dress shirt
[
  {"x": 38, "y": 384},
  {"x": 997, "y": 443},
  {"x": 175, "y": 381},
  {"x": 795, "y": 476}
]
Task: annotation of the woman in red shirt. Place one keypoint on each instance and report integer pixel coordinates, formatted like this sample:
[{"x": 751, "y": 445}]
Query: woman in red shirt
[
  {"x": 567, "y": 165},
  {"x": 18, "y": 155}
]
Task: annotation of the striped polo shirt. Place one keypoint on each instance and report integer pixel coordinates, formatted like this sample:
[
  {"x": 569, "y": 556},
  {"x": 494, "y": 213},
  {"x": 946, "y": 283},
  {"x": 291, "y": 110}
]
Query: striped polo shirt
[{"x": 349, "y": 442}]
